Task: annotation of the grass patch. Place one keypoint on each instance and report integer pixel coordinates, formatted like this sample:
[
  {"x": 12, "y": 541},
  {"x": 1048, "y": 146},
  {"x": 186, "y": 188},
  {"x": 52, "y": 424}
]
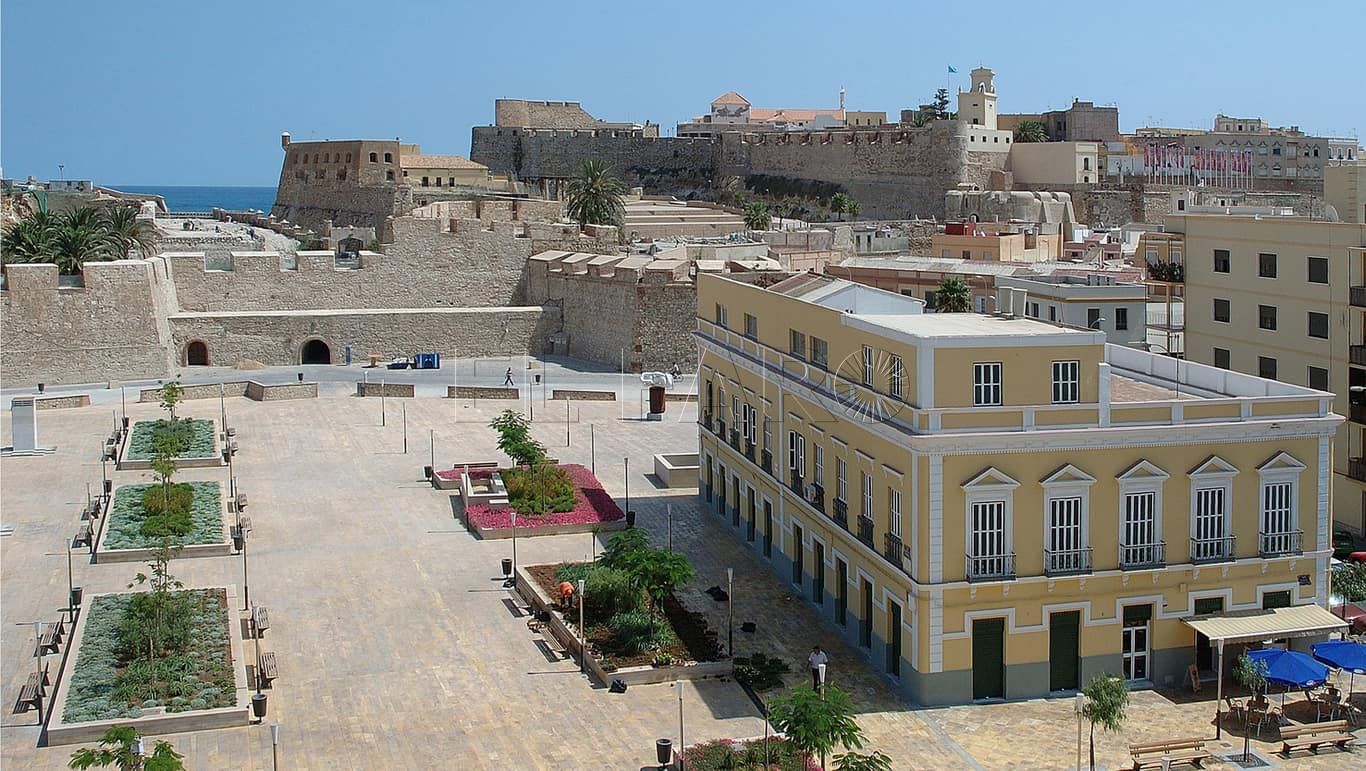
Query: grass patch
[
  {"x": 193, "y": 435},
  {"x": 539, "y": 490},
  {"x": 107, "y": 684},
  {"x": 129, "y": 519}
]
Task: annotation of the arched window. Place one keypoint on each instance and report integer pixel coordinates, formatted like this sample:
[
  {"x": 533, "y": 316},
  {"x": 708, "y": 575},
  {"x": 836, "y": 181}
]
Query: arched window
[
  {"x": 327, "y": 157},
  {"x": 388, "y": 157},
  {"x": 374, "y": 157}
]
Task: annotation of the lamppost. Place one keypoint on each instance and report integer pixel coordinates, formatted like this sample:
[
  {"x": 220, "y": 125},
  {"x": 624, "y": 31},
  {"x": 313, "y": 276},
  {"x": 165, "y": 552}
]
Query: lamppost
[
  {"x": 678, "y": 686},
  {"x": 275, "y": 746},
  {"x": 239, "y": 537},
  {"x": 514, "y": 549},
  {"x": 583, "y": 636},
  {"x": 1079, "y": 704},
  {"x": 730, "y": 613}
]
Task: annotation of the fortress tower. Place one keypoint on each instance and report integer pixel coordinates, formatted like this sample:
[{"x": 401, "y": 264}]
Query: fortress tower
[{"x": 978, "y": 106}]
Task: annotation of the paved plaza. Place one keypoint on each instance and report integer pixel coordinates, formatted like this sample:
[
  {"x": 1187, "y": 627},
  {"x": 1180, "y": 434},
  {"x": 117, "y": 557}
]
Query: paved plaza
[{"x": 398, "y": 646}]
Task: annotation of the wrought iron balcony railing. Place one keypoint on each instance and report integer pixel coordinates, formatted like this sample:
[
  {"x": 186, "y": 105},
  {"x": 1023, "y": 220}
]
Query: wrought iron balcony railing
[
  {"x": 865, "y": 530},
  {"x": 1276, "y": 544},
  {"x": 1212, "y": 549},
  {"x": 840, "y": 513},
  {"x": 1060, "y": 562},
  {"x": 1144, "y": 555},
  {"x": 990, "y": 567}
]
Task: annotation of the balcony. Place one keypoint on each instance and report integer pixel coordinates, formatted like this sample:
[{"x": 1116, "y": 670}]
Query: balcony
[
  {"x": 1358, "y": 296},
  {"x": 1357, "y": 354},
  {"x": 766, "y": 462},
  {"x": 721, "y": 428},
  {"x": 1212, "y": 550},
  {"x": 1356, "y": 469},
  {"x": 706, "y": 419},
  {"x": 749, "y": 450},
  {"x": 734, "y": 439},
  {"x": 795, "y": 483},
  {"x": 1279, "y": 544},
  {"x": 1145, "y": 555},
  {"x": 865, "y": 531},
  {"x": 991, "y": 567},
  {"x": 1065, "y": 562},
  {"x": 892, "y": 549},
  {"x": 1167, "y": 270},
  {"x": 818, "y": 497},
  {"x": 841, "y": 514}
]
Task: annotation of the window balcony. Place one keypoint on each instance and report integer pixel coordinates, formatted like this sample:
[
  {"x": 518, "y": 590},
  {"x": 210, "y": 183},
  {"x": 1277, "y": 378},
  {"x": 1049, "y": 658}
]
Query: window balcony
[
  {"x": 735, "y": 439},
  {"x": 818, "y": 497},
  {"x": 865, "y": 531},
  {"x": 749, "y": 450},
  {"x": 1358, "y": 296},
  {"x": 1145, "y": 555},
  {"x": 795, "y": 483},
  {"x": 766, "y": 462},
  {"x": 1063, "y": 562},
  {"x": 841, "y": 514},
  {"x": 1356, "y": 469},
  {"x": 721, "y": 428},
  {"x": 892, "y": 549},
  {"x": 1212, "y": 550},
  {"x": 1357, "y": 354},
  {"x": 991, "y": 567},
  {"x": 1278, "y": 544}
]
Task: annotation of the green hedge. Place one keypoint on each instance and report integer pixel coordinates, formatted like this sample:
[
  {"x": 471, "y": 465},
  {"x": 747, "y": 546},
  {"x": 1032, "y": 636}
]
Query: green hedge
[
  {"x": 127, "y": 515},
  {"x": 105, "y": 687},
  {"x": 200, "y": 438}
]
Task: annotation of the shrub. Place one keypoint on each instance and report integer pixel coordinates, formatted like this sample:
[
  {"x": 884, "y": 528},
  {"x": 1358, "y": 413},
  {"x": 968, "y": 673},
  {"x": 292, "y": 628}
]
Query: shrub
[
  {"x": 663, "y": 659},
  {"x": 638, "y": 631},
  {"x": 760, "y": 672},
  {"x": 620, "y": 545},
  {"x": 539, "y": 489},
  {"x": 183, "y": 437},
  {"x": 168, "y": 510},
  {"x": 573, "y": 571},
  {"x": 127, "y": 514},
  {"x": 609, "y": 593}
]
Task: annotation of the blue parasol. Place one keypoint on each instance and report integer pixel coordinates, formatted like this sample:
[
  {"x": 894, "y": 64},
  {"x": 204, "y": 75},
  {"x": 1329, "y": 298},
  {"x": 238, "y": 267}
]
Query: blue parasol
[
  {"x": 1290, "y": 668},
  {"x": 1343, "y": 654}
]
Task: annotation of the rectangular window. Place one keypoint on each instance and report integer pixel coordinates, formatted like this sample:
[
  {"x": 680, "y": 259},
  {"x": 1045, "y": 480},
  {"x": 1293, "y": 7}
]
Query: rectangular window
[
  {"x": 1064, "y": 535},
  {"x": 1266, "y": 367},
  {"x": 818, "y": 465},
  {"x": 1122, "y": 319},
  {"x": 1092, "y": 318},
  {"x": 797, "y": 344},
  {"x": 1032, "y": 311},
  {"x": 720, "y": 314},
  {"x": 820, "y": 353},
  {"x": 867, "y": 366},
  {"x": 1065, "y": 375},
  {"x": 1209, "y": 523},
  {"x": 1221, "y": 358},
  {"x": 1318, "y": 378},
  {"x": 929, "y": 299},
  {"x": 894, "y": 511},
  {"x": 894, "y": 378},
  {"x": 867, "y": 501},
  {"x": 1318, "y": 325},
  {"x": 1052, "y": 313},
  {"x": 1221, "y": 261},
  {"x": 1221, "y": 310},
  {"x": 989, "y": 534},
  {"x": 1277, "y": 508},
  {"x": 1266, "y": 317},
  {"x": 1266, "y": 265},
  {"x": 841, "y": 479},
  {"x": 796, "y": 452},
  {"x": 751, "y": 327},
  {"x": 768, "y": 434},
  {"x": 1318, "y": 270},
  {"x": 986, "y": 384},
  {"x": 746, "y": 420},
  {"x": 1140, "y": 523}
]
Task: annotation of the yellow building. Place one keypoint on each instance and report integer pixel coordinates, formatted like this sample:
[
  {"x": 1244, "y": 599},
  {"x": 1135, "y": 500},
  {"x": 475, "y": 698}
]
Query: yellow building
[
  {"x": 1285, "y": 298},
  {"x": 973, "y": 241},
  {"x": 1001, "y": 507}
]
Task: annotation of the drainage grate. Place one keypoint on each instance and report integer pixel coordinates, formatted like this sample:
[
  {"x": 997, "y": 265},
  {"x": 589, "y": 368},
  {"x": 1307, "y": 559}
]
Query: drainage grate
[{"x": 1254, "y": 760}]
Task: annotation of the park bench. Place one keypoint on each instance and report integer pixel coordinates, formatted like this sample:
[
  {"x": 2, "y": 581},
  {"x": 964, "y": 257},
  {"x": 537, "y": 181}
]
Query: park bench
[
  {"x": 266, "y": 669},
  {"x": 1312, "y": 735},
  {"x": 84, "y": 536},
  {"x": 30, "y": 696},
  {"x": 260, "y": 621},
  {"x": 111, "y": 449},
  {"x": 50, "y": 638},
  {"x": 241, "y": 501},
  {"x": 1190, "y": 751}
]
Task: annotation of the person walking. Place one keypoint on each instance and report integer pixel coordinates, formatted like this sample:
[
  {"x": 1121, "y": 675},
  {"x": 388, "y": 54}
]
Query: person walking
[
  {"x": 816, "y": 660},
  {"x": 676, "y": 371},
  {"x": 507, "y": 379}
]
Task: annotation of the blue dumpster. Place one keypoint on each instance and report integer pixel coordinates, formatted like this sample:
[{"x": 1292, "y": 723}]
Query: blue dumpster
[{"x": 427, "y": 361}]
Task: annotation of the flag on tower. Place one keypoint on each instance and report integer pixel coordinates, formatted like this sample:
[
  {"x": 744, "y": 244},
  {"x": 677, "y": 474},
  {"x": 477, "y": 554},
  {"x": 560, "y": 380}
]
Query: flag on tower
[{"x": 952, "y": 68}]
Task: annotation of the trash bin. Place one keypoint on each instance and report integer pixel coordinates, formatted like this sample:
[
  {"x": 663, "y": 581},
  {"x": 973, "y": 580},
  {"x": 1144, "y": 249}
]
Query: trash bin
[
  {"x": 76, "y": 594},
  {"x": 664, "y": 751},
  {"x": 507, "y": 567},
  {"x": 630, "y": 519},
  {"x": 258, "y": 705}
]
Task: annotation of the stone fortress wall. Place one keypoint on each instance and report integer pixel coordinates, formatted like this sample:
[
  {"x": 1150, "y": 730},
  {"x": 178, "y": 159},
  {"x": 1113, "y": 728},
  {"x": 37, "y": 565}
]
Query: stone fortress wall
[
  {"x": 664, "y": 164},
  {"x": 338, "y": 181}
]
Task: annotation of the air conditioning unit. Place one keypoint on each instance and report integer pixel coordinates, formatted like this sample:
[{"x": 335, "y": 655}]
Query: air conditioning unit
[{"x": 810, "y": 492}]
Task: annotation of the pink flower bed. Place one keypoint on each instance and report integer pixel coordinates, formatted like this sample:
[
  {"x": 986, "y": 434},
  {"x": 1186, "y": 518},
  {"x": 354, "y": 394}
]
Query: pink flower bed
[{"x": 593, "y": 505}]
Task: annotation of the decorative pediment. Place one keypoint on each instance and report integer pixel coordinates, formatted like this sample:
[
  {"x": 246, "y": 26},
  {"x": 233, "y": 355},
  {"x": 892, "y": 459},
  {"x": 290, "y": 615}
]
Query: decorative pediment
[
  {"x": 1214, "y": 466},
  {"x": 1142, "y": 471},
  {"x": 1067, "y": 474},
  {"x": 991, "y": 478},
  {"x": 1281, "y": 462}
]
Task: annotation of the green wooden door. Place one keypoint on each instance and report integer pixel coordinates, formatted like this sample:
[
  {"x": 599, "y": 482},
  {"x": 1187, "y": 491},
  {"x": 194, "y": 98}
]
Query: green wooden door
[
  {"x": 1064, "y": 630},
  {"x": 988, "y": 658}
]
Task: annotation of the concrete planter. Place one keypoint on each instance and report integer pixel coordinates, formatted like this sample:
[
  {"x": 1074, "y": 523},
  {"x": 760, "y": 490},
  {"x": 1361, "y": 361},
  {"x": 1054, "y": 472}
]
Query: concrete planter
[
  {"x": 559, "y": 394},
  {"x": 103, "y": 555},
  {"x": 155, "y": 721},
  {"x": 495, "y": 533},
  {"x": 677, "y": 469},
  {"x": 481, "y": 392},
  {"x": 531, "y": 592},
  {"x": 143, "y": 464},
  {"x": 384, "y": 389}
]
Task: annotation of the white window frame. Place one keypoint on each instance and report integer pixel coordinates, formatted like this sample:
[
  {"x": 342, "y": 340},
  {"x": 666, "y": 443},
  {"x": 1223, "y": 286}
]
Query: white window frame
[
  {"x": 866, "y": 494},
  {"x": 896, "y": 378},
  {"x": 990, "y": 486},
  {"x": 894, "y": 511},
  {"x": 1214, "y": 473},
  {"x": 818, "y": 461},
  {"x": 867, "y": 366},
  {"x": 841, "y": 480},
  {"x": 1063, "y": 387},
  {"x": 1142, "y": 477},
  {"x": 796, "y": 452},
  {"x": 1282, "y": 469},
  {"x": 983, "y": 388},
  {"x": 746, "y": 420},
  {"x": 1067, "y": 482},
  {"x": 768, "y": 434}
]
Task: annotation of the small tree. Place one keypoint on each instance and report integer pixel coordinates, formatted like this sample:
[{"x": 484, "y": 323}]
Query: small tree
[
  {"x": 815, "y": 723},
  {"x": 953, "y": 296},
  {"x": 621, "y": 544},
  {"x": 1349, "y": 581},
  {"x": 1107, "y": 697},
  {"x": 1251, "y": 675},
  {"x": 514, "y": 439},
  {"x": 758, "y": 216},
  {"x": 839, "y": 203},
  {"x": 854, "y": 761},
  {"x": 118, "y": 747},
  {"x": 659, "y": 572},
  {"x": 171, "y": 394}
]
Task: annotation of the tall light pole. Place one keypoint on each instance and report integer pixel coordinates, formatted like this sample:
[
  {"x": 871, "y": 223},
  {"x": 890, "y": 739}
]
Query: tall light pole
[
  {"x": 239, "y": 535},
  {"x": 678, "y": 686},
  {"x": 275, "y": 746},
  {"x": 583, "y": 635},
  {"x": 730, "y": 613},
  {"x": 626, "y": 478},
  {"x": 1079, "y": 704},
  {"x": 514, "y": 548}
]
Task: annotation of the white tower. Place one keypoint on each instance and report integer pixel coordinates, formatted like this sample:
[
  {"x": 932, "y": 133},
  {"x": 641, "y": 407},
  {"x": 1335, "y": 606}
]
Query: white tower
[{"x": 978, "y": 106}]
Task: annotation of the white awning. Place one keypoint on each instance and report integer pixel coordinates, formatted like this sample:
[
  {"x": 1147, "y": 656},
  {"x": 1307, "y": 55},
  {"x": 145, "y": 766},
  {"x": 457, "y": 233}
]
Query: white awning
[{"x": 1274, "y": 624}]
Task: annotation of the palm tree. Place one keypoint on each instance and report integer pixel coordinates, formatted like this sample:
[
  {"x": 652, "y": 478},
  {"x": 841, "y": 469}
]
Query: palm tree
[
  {"x": 921, "y": 119},
  {"x": 853, "y": 208},
  {"x": 121, "y": 747},
  {"x": 595, "y": 195},
  {"x": 129, "y": 232},
  {"x": 80, "y": 236},
  {"x": 839, "y": 203},
  {"x": 757, "y": 216},
  {"x": 1031, "y": 131},
  {"x": 29, "y": 239},
  {"x": 953, "y": 296}
]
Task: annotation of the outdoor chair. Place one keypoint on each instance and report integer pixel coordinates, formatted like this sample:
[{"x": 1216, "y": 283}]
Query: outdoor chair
[{"x": 1236, "y": 709}]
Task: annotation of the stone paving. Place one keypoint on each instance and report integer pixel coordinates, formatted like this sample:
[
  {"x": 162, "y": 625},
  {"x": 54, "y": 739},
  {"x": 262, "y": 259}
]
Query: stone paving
[{"x": 397, "y": 647}]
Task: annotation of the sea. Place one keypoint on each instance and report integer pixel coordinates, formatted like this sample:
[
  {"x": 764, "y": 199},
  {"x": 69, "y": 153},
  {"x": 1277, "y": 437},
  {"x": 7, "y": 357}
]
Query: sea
[{"x": 205, "y": 198}]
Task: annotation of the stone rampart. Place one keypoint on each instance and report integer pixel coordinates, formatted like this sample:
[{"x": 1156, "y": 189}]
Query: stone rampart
[
  {"x": 111, "y": 328},
  {"x": 664, "y": 164}
]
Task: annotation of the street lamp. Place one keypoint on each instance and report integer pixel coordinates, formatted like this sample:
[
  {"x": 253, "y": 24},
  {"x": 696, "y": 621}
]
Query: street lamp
[
  {"x": 678, "y": 686},
  {"x": 1079, "y": 704},
  {"x": 275, "y": 746},
  {"x": 514, "y": 549},
  {"x": 239, "y": 540},
  {"x": 730, "y": 613},
  {"x": 583, "y": 635}
]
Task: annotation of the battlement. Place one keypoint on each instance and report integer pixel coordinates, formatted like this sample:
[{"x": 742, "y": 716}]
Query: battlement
[
  {"x": 598, "y": 132},
  {"x": 114, "y": 276}
]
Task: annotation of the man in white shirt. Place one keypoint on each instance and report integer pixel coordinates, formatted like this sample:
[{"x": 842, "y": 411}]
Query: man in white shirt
[{"x": 816, "y": 660}]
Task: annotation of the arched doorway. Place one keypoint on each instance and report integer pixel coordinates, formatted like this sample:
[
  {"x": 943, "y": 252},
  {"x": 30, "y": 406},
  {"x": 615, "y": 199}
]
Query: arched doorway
[
  {"x": 315, "y": 352},
  {"x": 197, "y": 354}
]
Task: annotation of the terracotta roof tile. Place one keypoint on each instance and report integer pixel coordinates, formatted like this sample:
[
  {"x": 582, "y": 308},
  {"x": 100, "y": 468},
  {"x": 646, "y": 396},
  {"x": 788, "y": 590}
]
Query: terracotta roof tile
[{"x": 730, "y": 97}]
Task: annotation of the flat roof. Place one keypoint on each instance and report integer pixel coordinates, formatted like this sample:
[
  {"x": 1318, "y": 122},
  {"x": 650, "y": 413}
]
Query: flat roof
[{"x": 975, "y": 327}]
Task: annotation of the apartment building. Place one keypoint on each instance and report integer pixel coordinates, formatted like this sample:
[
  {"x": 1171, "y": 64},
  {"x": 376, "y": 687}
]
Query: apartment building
[
  {"x": 1284, "y": 298},
  {"x": 1001, "y": 507}
]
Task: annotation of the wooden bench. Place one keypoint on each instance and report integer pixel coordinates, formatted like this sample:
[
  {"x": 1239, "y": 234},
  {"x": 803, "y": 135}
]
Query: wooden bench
[
  {"x": 1312, "y": 735},
  {"x": 266, "y": 669},
  {"x": 50, "y": 638},
  {"x": 85, "y": 536},
  {"x": 31, "y": 695},
  {"x": 1190, "y": 751},
  {"x": 260, "y": 620}
]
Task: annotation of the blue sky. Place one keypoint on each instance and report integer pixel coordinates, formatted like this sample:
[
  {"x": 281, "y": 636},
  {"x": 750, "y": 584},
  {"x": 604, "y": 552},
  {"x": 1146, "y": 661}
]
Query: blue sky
[{"x": 153, "y": 92}]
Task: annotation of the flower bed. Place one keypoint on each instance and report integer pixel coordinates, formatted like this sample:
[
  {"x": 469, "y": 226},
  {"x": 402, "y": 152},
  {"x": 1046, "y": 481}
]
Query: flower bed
[
  {"x": 748, "y": 754},
  {"x": 124, "y": 529},
  {"x": 102, "y": 688},
  {"x": 593, "y": 506},
  {"x": 201, "y": 440}
]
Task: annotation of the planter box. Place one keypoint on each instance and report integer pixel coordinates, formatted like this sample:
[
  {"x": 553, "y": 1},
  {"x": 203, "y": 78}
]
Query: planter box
[
  {"x": 531, "y": 592},
  {"x": 677, "y": 469},
  {"x": 481, "y": 392},
  {"x": 452, "y": 482},
  {"x": 384, "y": 389},
  {"x": 143, "y": 554},
  {"x": 61, "y": 402},
  {"x": 583, "y": 396},
  {"x": 495, "y": 533},
  {"x": 280, "y": 391},
  {"x": 489, "y": 491},
  {"x": 143, "y": 464},
  {"x": 60, "y": 732}
]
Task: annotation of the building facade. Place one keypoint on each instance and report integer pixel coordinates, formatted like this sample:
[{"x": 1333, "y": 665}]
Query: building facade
[
  {"x": 1283, "y": 298},
  {"x": 991, "y": 507},
  {"x": 1117, "y": 308}
]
